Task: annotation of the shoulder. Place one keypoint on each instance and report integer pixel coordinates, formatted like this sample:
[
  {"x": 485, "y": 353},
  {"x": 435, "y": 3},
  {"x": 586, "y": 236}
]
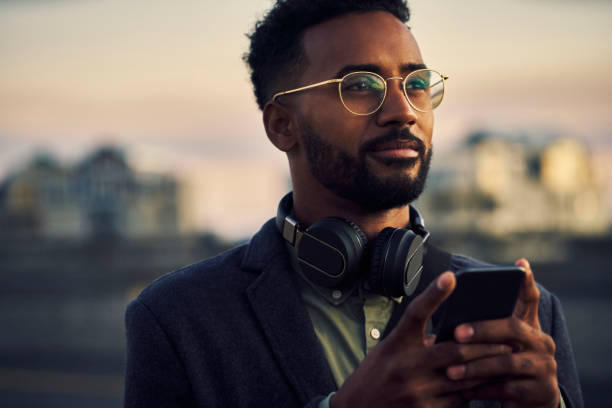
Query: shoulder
[
  {"x": 216, "y": 283},
  {"x": 459, "y": 261},
  {"x": 212, "y": 280}
]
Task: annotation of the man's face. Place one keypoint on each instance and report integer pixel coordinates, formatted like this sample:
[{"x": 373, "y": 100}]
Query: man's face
[{"x": 378, "y": 161}]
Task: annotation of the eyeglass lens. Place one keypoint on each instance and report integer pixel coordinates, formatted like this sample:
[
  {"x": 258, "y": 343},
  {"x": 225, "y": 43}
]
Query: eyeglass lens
[{"x": 363, "y": 93}]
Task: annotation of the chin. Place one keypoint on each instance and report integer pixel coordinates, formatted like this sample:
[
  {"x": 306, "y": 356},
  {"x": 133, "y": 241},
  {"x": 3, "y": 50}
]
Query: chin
[{"x": 408, "y": 168}]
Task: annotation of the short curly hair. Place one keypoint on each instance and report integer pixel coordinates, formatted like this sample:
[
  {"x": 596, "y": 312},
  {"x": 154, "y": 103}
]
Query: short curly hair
[{"x": 276, "y": 41}]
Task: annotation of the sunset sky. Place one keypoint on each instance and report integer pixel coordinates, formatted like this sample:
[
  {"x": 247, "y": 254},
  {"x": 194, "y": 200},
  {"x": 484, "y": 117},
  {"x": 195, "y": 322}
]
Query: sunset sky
[{"x": 166, "y": 81}]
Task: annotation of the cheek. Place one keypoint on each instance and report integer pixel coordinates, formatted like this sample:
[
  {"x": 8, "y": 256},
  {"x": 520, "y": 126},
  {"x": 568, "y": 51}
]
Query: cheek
[
  {"x": 426, "y": 124},
  {"x": 334, "y": 124}
]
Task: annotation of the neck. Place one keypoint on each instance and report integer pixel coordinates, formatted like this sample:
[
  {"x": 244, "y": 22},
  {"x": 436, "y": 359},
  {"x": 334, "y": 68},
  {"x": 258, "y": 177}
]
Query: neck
[{"x": 311, "y": 206}]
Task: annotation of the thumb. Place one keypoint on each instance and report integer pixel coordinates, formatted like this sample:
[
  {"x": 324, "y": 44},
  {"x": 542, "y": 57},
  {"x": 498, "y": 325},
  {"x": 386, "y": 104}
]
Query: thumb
[
  {"x": 526, "y": 307},
  {"x": 411, "y": 328}
]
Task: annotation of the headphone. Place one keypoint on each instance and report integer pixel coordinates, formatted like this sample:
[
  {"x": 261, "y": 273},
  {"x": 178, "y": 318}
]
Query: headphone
[{"x": 333, "y": 251}]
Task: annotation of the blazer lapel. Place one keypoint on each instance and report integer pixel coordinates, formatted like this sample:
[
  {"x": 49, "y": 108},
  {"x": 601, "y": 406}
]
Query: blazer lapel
[{"x": 276, "y": 301}]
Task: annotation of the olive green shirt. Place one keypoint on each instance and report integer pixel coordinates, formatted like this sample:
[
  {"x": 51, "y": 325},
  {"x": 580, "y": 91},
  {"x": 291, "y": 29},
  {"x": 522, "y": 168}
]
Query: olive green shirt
[{"x": 347, "y": 323}]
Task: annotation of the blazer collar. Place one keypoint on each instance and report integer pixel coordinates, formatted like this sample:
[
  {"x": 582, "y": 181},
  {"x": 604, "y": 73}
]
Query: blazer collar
[{"x": 277, "y": 304}]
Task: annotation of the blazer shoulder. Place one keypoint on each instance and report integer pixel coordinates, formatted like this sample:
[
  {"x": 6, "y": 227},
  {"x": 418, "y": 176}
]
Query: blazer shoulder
[
  {"x": 460, "y": 261},
  {"x": 198, "y": 278}
]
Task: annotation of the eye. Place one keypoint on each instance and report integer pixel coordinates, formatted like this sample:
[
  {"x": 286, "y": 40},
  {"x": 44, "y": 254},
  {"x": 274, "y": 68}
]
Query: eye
[
  {"x": 362, "y": 83},
  {"x": 417, "y": 84}
]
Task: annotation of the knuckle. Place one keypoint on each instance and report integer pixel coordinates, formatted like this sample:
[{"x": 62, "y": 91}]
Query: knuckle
[
  {"x": 526, "y": 364},
  {"x": 414, "y": 394},
  {"x": 451, "y": 353},
  {"x": 499, "y": 349},
  {"x": 435, "y": 357},
  {"x": 509, "y": 363},
  {"x": 550, "y": 345},
  {"x": 536, "y": 293},
  {"x": 392, "y": 370},
  {"x": 533, "y": 291},
  {"x": 515, "y": 389},
  {"x": 421, "y": 387},
  {"x": 551, "y": 366},
  {"x": 460, "y": 353},
  {"x": 515, "y": 325},
  {"x": 553, "y": 384}
]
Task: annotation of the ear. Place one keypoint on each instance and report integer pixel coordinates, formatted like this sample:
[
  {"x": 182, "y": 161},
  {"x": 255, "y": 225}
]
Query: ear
[{"x": 279, "y": 125}]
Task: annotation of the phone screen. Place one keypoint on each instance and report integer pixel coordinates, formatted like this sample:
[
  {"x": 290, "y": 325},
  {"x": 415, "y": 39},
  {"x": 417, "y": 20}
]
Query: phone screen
[{"x": 481, "y": 294}]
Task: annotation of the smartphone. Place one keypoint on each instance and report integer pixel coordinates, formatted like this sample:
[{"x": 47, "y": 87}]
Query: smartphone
[{"x": 483, "y": 293}]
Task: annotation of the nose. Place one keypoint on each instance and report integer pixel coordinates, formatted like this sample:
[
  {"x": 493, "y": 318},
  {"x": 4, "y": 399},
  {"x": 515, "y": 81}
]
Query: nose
[{"x": 396, "y": 109}]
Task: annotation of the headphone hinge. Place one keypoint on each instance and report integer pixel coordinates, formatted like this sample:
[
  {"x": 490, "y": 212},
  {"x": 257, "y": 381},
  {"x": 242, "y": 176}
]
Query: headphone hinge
[{"x": 289, "y": 230}]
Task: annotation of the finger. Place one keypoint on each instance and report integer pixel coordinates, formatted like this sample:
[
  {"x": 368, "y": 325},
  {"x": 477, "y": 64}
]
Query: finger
[
  {"x": 450, "y": 353},
  {"x": 527, "y": 303},
  {"x": 523, "y": 392},
  {"x": 505, "y": 365},
  {"x": 511, "y": 331},
  {"x": 440, "y": 385},
  {"x": 446, "y": 386},
  {"x": 449, "y": 401},
  {"x": 411, "y": 328}
]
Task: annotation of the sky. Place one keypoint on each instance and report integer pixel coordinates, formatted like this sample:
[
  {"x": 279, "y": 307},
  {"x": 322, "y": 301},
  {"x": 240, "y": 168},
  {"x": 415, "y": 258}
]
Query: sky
[{"x": 166, "y": 80}]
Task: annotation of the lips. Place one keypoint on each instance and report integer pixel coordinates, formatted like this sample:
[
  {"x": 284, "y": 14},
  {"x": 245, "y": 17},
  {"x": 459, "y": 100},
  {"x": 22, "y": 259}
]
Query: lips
[
  {"x": 396, "y": 145},
  {"x": 396, "y": 150}
]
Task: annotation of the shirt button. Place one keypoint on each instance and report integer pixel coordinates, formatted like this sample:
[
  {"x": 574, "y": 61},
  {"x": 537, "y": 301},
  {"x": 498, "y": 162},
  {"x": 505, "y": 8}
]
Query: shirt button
[
  {"x": 336, "y": 294},
  {"x": 375, "y": 333}
]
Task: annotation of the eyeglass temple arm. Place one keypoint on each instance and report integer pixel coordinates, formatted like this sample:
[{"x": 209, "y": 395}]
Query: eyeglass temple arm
[
  {"x": 444, "y": 78},
  {"x": 303, "y": 88}
]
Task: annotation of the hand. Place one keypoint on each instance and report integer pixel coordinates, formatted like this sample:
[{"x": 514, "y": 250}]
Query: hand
[
  {"x": 407, "y": 369},
  {"x": 528, "y": 376}
]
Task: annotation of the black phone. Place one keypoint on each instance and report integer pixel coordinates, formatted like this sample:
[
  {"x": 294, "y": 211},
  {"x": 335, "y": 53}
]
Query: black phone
[{"x": 483, "y": 293}]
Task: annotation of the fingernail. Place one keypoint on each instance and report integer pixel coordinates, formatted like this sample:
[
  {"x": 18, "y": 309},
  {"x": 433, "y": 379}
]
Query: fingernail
[
  {"x": 524, "y": 262},
  {"x": 456, "y": 372},
  {"x": 444, "y": 281},
  {"x": 464, "y": 332}
]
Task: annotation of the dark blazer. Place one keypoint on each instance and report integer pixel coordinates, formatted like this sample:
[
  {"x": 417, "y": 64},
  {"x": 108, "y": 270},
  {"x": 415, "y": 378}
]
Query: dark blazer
[{"x": 232, "y": 331}]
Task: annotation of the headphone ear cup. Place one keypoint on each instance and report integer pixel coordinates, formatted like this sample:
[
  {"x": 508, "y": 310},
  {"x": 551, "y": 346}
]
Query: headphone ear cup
[
  {"x": 377, "y": 260},
  {"x": 330, "y": 250},
  {"x": 396, "y": 263}
]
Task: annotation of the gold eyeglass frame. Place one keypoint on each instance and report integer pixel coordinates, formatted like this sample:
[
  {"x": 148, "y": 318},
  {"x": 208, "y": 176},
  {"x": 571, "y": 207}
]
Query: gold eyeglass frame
[{"x": 339, "y": 81}]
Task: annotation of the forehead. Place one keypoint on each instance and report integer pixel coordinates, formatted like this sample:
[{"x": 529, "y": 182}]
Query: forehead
[{"x": 376, "y": 38}]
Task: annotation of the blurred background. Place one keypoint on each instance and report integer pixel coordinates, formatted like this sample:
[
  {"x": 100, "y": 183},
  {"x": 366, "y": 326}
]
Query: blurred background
[{"x": 129, "y": 139}]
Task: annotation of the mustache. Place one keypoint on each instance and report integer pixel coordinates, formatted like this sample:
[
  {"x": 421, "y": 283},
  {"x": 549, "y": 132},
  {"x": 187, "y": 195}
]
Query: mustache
[{"x": 403, "y": 135}]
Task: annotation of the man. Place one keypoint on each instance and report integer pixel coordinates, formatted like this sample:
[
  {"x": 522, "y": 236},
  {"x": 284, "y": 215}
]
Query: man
[{"x": 346, "y": 95}]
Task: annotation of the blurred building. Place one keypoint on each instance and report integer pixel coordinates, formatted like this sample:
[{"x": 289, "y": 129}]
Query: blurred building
[
  {"x": 502, "y": 184},
  {"x": 100, "y": 196},
  {"x": 231, "y": 197}
]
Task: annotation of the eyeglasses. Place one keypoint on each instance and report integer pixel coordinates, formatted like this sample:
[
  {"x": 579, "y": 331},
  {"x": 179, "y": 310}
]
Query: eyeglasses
[{"x": 363, "y": 93}]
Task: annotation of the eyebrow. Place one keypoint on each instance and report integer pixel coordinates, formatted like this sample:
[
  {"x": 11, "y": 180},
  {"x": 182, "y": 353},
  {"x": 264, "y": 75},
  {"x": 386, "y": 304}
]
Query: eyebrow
[{"x": 375, "y": 68}]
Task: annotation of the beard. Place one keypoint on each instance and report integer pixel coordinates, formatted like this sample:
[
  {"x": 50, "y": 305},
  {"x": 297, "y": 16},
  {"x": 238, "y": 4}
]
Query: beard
[{"x": 350, "y": 177}]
